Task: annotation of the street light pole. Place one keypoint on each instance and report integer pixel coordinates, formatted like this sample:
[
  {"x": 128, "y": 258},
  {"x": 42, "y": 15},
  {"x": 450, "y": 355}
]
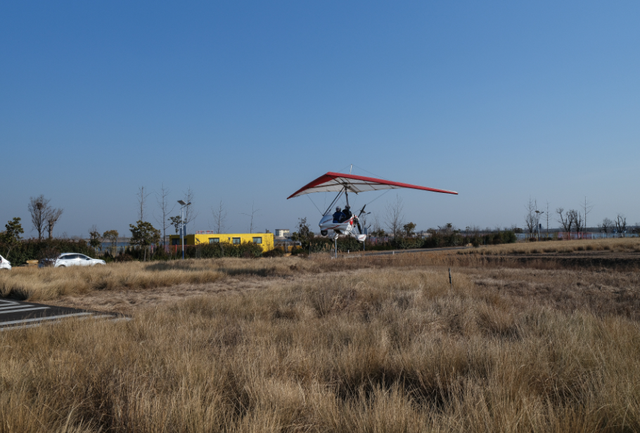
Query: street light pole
[
  {"x": 182, "y": 206},
  {"x": 538, "y": 213}
]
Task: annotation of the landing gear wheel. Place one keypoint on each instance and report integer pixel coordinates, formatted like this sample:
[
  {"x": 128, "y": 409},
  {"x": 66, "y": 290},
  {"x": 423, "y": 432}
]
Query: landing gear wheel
[{"x": 324, "y": 232}]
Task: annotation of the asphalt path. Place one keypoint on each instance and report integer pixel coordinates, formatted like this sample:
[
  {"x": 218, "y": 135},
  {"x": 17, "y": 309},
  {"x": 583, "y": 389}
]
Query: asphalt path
[{"x": 18, "y": 314}]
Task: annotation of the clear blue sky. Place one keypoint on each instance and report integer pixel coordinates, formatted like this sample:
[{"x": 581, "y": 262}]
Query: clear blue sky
[{"x": 245, "y": 102}]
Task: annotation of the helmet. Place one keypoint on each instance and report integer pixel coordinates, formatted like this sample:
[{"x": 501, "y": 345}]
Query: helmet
[{"x": 338, "y": 209}]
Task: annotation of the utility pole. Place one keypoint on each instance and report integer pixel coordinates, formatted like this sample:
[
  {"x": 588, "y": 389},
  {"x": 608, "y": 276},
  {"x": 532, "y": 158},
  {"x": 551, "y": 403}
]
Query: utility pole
[{"x": 182, "y": 225}]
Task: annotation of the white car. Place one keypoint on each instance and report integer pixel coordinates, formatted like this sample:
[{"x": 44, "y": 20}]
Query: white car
[
  {"x": 76, "y": 259},
  {"x": 4, "y": 263}
]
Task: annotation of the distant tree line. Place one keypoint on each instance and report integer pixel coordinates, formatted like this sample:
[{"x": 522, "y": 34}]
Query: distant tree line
[
  {"x": 574, "y": 220},
  {"x": 405, "y": 238}
]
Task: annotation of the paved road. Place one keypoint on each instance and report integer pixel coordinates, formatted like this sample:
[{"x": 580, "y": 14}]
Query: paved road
[{"x": 18, "y": 314}]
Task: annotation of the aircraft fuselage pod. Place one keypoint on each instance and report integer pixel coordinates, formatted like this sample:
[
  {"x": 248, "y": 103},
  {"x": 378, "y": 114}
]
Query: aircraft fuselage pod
[{"x": 347, "y": 227}]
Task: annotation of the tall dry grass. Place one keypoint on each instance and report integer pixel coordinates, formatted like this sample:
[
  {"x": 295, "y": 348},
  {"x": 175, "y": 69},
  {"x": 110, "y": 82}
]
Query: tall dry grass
[
  {"x": 50, "y": 283},
  {"x": 631, "y": 245},
  {"x": 383, "y": 349}
]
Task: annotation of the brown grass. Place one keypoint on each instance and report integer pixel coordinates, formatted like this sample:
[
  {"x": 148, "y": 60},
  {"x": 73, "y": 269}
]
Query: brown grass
[
  {"x": 51, "y": 283},
  {"x": 617, "y": 244},
  {"x": 353, "y": 345}
]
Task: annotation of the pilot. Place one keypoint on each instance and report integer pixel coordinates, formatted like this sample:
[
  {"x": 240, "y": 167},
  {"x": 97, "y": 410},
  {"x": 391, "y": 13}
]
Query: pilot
[
  {"x": 347, "y": 213},
  {"x": 338, "y": 215}
]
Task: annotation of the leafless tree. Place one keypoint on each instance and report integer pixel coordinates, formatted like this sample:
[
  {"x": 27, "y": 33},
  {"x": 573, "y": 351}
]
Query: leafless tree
[
  {"x": 219, "y": 218},
  {"x": 142, "y": 197},
  {"x": 530, "y": 220},
  {"x": 576, "y": 219},
  {"x": 39, "y": 208},
  {"x": 52, "y": 218},
  {"x": 586, "y": 209},
  {"x": 394, "y": 216},
  {"x": 189, "y": 213},
  {"x": 564, "y": 220},
  {"x": 621, "y": 224},
  {"x": 163, "y": 203},
  {"x": 251, "y": 216},
  {"x": 606, "y": 226},
  {"x": 43, "y": 216},
  {"x": 547, "y": 213}
]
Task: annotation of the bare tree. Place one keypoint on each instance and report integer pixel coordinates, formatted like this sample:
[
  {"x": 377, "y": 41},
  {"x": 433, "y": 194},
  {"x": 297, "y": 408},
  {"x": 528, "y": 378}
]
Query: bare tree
[
  {"x": 586, "y": 209},
  {"x": 163, "y": 203},
  {"x": 251, "y": 217},
  {"x": 39, "y": 208},
  {"x": 564, "y": 220},
  {"x": 142, "y": 197},
  {"x": 189, "y": 213},
  {"x": 621, "y": 224},
  {"x": 576, "y": 219},
  {"x": 530, "y": 221},
  {"x": 219, "y": 217},
  {"x": 43, "y": 216},
  {"x": 394, "y": 216},
  {"x": 606, "y": 226},
  {"x": 52, "y": 218},
  {"x": 547, "y": 235}
]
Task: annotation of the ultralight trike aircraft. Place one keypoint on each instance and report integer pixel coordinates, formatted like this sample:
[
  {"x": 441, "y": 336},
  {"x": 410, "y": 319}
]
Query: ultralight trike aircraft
[{"x": 344, "y": 222}]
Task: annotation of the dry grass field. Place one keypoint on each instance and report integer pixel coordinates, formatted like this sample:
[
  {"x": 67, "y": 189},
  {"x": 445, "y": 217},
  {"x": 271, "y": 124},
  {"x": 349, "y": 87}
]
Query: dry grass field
[
  {"x": 612, "y": 244},
  {"x": 360, "y": 344}
]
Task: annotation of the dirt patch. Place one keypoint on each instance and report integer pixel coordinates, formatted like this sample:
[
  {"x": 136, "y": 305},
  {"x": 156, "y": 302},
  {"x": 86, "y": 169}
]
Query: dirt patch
[{"x": 129, "y": 301}]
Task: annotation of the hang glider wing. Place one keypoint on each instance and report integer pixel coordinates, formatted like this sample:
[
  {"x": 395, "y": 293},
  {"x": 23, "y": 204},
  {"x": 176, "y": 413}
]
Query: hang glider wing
[{"x": 336, "y": 182}]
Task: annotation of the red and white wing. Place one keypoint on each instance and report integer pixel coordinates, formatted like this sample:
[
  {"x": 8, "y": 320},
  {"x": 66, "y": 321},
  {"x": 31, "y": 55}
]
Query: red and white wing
[{"x": 335, "y": 182}]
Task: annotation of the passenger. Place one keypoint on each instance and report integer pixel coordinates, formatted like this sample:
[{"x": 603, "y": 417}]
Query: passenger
[
  {"x": 338, "y": 215},
  {"x": 347, "y": 213}
]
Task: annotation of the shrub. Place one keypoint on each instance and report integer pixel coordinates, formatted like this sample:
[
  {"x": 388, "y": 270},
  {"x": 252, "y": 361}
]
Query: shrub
[{"x": 277, "y": 252}]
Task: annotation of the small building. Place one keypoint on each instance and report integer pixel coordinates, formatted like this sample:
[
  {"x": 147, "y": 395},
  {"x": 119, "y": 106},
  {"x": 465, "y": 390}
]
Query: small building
[
  {"x": 265, "y": 240},
  {"x": 282, "y": 233}
]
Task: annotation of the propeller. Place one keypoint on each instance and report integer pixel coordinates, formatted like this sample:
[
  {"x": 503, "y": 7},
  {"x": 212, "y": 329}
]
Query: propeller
[{"x": 359, "y": 215}]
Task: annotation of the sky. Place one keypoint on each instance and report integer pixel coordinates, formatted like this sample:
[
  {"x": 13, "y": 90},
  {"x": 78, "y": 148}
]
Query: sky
[{"x": 245, "y": 102}]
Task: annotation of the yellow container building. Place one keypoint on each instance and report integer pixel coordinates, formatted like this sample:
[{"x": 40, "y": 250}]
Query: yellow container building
[{"x": 265, "y": 240}]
